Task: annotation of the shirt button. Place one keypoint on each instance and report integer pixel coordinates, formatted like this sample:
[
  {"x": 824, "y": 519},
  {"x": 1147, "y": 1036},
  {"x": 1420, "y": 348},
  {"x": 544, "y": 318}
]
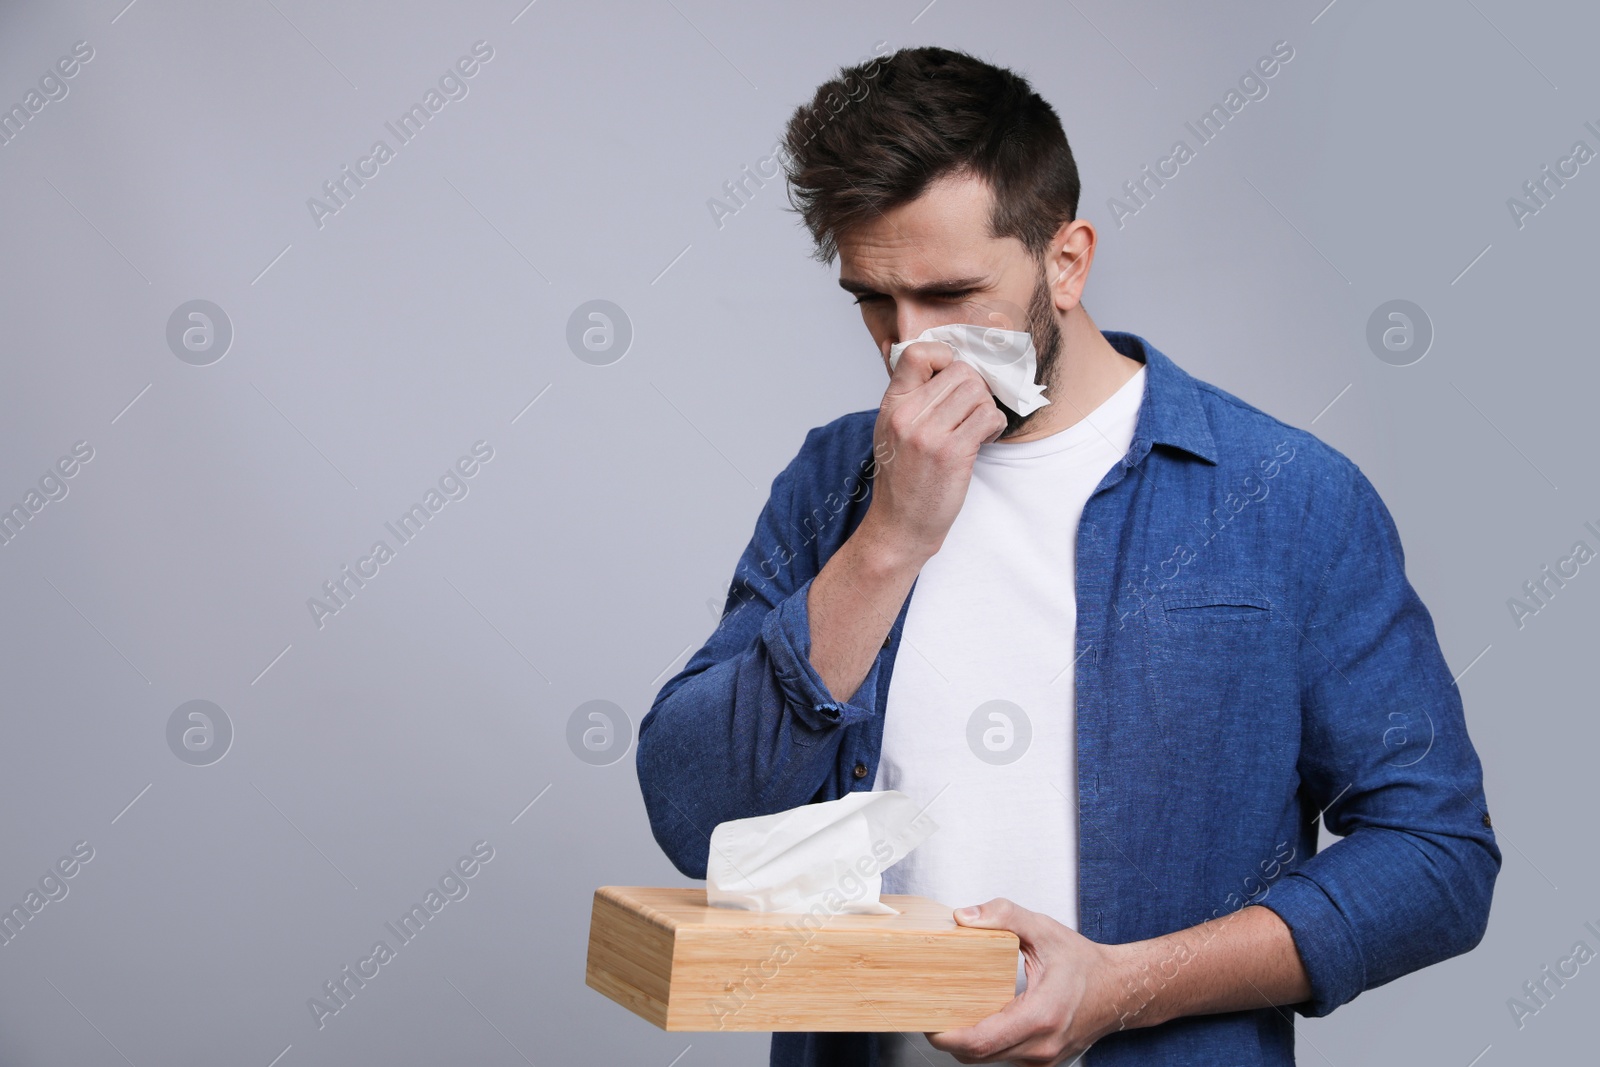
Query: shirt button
[
  {"x": 1486, "y": 821},
  {"x": 861, "y": 770},
  {"x": 886, "y": 638}
]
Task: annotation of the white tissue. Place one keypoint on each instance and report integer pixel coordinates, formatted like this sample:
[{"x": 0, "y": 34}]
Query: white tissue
[
  {"x": 831, "y": 854},
  {"x": 1005, "y": 358}
]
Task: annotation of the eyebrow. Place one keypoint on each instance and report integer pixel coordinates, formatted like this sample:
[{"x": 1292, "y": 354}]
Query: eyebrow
[{"x": 938, "y": 288}]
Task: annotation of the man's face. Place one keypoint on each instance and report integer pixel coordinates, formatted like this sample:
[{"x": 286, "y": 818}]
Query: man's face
[{"x": 932, "y": 262}]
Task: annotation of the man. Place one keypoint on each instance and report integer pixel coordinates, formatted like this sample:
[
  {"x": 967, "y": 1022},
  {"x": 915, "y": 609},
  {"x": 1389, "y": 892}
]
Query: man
[{"x": 1126, "y": 649}]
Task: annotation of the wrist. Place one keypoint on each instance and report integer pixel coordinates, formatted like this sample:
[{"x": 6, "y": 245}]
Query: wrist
[
  {"x": 885, "y": 554},
  {"x": 1131, "y": 986}
]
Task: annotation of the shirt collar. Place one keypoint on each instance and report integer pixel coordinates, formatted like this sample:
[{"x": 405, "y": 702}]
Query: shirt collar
[{"x": 1172, "y": 413}]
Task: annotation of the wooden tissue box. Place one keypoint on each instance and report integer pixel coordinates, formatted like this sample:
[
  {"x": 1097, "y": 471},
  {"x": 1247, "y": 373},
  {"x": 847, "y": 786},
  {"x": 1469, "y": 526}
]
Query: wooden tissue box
[{"x": 668, "y": 956}]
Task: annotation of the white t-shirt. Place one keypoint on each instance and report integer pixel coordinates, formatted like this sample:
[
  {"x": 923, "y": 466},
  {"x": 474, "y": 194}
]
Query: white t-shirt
[{"x": 979, "y": 724}]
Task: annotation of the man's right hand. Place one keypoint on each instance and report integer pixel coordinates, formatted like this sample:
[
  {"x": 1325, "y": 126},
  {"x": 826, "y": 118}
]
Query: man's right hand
[{"x": 935, "y": 413}]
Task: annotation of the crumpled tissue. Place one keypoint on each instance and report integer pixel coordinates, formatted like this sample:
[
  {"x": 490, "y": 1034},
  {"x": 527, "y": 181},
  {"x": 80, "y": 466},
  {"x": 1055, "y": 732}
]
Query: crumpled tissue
[
  {"x": 831, "y": 854},
  {"x": 1005, "y": 358}
]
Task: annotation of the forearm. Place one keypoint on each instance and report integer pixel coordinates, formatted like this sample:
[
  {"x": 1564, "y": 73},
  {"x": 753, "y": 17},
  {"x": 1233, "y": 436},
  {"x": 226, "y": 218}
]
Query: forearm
[
  {"x": 752, "y": 711},
  {"x": 852, "y": 605},
  {"x": 748, "y": 712},
  {"x": 1246, "y": 959},
  {"x": 735, "y": 723}
]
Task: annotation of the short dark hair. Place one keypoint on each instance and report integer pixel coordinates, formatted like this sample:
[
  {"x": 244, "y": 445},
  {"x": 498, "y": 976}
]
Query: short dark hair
[{"x": 927, "y": 113}]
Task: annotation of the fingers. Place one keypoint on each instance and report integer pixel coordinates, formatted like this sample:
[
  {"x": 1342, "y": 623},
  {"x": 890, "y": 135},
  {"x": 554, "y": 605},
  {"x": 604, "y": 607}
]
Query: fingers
[
  {"x": 984, "y": 424},
  {"x": 944, "y": 393},
  {"x": 926, "y": 379},
  {"x": 952, "y": 397},
  {"x": 1029, "y": 1029},
  {"x": 1018, "y": 1020},
  {"x": 920, "y": 361},
  {"x": 1012, "y": 1025}
]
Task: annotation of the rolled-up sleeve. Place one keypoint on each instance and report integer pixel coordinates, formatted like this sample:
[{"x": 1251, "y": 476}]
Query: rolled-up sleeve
[
  {"x": 747, "y": 727},
  {"x": 1385, "y": 755}
]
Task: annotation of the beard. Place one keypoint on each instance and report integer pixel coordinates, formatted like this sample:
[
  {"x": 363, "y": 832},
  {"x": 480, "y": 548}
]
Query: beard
[{"x": 1046, "y": 334}]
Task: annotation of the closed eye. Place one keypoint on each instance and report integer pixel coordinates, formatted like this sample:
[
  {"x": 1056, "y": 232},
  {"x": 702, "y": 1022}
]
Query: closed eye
[{"x": 956, "y": 295}]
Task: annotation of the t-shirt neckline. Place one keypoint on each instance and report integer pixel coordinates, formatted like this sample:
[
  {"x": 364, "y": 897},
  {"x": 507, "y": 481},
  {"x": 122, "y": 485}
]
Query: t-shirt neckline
[{"x": 1090, "y": 428}]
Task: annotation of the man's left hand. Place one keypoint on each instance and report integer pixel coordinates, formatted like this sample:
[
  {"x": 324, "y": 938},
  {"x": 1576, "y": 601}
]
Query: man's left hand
[{"x": 1069, "y": 1002}]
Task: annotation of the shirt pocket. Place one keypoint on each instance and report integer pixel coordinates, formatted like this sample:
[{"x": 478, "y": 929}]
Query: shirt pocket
[
  {"x": 1222, "y": 668},
  {"x": 1192, "y": 608}
]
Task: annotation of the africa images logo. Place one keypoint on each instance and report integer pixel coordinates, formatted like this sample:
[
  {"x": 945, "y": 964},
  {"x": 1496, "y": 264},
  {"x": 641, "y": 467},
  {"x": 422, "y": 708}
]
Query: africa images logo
[
  {"x": 453, "y": 85},
  {"x": 340, "y": 990}
]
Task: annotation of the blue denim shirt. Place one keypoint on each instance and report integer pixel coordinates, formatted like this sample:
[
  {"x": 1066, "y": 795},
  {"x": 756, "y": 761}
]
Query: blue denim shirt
[{"x": 1250, "y": 656}]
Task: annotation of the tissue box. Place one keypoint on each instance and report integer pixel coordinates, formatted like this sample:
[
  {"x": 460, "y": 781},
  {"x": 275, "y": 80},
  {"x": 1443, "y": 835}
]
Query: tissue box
[{"x": 668, "y": 956}]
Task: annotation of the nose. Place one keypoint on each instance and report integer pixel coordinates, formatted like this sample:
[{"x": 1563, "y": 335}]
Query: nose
[{"x": 912, "y": 318}]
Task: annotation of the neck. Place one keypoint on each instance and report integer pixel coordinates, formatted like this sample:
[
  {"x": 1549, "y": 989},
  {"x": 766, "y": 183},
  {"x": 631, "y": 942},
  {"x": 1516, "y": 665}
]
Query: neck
[{"x": 1087, "y": 372}]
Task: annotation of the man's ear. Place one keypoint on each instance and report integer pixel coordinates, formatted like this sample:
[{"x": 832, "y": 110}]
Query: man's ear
[{"x": 1067, "y": 261}]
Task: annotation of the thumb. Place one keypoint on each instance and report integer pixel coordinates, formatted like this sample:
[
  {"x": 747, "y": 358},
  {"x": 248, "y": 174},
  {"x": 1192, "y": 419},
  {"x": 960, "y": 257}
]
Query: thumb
[{"x": 1000, "y": 914}]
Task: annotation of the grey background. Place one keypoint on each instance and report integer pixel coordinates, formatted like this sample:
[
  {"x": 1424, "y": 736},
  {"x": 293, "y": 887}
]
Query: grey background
[{"x": 369, "y": 754}]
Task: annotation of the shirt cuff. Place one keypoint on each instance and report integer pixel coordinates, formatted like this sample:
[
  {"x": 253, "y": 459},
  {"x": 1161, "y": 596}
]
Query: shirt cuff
[
  {"x": 1327, "y": 947},
  {"x": 787, "y": 634}
]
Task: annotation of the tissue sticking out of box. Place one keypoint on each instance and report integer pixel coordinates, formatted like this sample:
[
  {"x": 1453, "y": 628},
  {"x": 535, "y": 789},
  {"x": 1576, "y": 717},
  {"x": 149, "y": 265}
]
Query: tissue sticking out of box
[{"x": 829, "y": 855}]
